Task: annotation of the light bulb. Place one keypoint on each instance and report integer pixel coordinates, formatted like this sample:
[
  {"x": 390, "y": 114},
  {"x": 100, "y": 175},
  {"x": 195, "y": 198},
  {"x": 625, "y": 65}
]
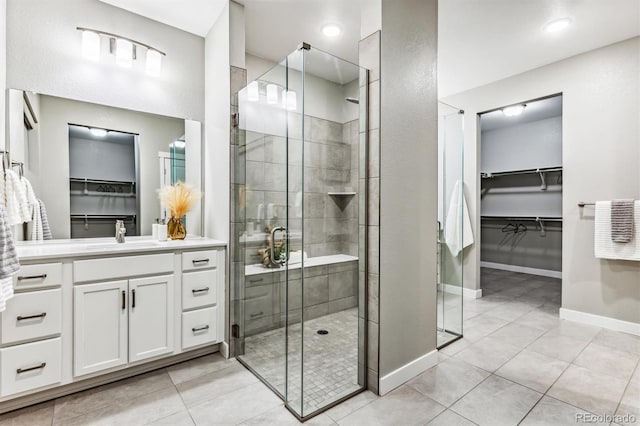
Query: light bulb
[
  {"x": 124, "y": 52},
  {"x": 90, "y": 45},
  {"x": 272, "y": 94},
  {"x": 514, "y": 110},
  {"x": 100, "y": 133},
  {"x": 253, "y": 92},
  {"x": 292, "y": 103},
  {"x": 154, "y": 63}
]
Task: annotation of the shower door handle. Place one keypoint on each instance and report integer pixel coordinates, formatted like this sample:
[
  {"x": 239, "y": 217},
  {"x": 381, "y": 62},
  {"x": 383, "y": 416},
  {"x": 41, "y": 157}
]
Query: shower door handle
[{"x": 273, "y": 245}]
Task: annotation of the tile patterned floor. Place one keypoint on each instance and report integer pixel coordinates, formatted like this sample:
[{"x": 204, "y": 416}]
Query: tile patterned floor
[
  {"x": 326, "y": 378},
  {"x": 518, "y": 364}
]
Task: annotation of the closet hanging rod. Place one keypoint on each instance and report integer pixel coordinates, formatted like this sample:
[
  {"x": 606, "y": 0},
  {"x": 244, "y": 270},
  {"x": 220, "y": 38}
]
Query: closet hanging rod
[
  {"x": 520, "y": 172},
  {"x": 120, "y": 182},
  {"x": 582, "y": 204},
  {"x": 523, "y": 218},
  {"x": 102, "y": 216}
]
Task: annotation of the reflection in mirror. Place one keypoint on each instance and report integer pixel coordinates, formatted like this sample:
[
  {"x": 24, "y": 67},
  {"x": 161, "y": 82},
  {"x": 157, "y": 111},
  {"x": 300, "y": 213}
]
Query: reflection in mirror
[{"x": 91, "y": 164}]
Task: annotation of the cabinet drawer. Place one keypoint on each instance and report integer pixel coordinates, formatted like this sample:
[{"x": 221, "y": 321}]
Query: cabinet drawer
[
  {"x": 199, "y": 327},
  {"x": 32, "y": 315},
  {"x": 199, "y": 289},
  {"x": 30, "y": 366},
  {"x": 199, "y": 259},
  {"x": 122, "y": 267},
  {"x": 258, "y": 279},
  {"x": 38, "y": 275}
]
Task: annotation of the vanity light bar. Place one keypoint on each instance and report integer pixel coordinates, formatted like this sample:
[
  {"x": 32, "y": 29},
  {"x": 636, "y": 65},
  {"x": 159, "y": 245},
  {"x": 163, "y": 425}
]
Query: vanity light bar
[{"x": 123, "y": 47}]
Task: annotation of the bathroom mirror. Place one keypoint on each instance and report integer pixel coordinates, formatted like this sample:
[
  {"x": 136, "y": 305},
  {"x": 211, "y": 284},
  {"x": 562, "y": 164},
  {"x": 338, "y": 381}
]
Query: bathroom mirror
[{"x": 91, "y": 164}]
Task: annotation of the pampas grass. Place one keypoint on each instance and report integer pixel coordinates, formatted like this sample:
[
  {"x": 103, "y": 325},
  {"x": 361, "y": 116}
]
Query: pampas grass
[{"x": 179, "y": 198}]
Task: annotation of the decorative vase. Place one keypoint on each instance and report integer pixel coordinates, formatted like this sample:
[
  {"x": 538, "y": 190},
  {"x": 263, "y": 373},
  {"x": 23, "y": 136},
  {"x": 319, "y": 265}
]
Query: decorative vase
[{"x": 176, "y": 229}]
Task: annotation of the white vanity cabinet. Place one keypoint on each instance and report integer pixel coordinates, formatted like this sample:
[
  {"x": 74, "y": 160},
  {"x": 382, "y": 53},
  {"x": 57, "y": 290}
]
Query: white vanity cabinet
[{"x": 86, "y": 315}]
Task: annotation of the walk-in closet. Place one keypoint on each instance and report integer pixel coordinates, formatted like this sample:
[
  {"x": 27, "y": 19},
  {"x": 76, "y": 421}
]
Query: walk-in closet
[{"x": 521, "y": 189}]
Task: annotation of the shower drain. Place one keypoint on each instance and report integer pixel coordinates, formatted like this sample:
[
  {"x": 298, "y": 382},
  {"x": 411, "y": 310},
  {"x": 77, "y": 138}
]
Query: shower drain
[{"x": 323, "y": 332}]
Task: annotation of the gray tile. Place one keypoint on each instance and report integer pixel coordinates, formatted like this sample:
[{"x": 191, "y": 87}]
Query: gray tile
[
  {"x": 483, "y": 325},
  {"x": 617, "y": 340},
  {"x": 197, "y": 367},
  {"x": 488, "y": 353},
  {"x": 448, "y": 381},
  {"x": 450, "y": 418},
  {"x": 132, "y": 412},
  {"x": 373, "y": 344},
  {"x": 609, "y": 361},
  {"x": 591, "y": 391},
  {"x": 181, "y": 418},
  {"x": 533, "y": 370},
  {"x": 280, "y": 416},
  {"x": 551, "y": 412},
  {"x": 114, "y": 393},
  {"x": 630, "y": 405},
  {"x": 537, "y": 319},
  {"x": 510, "y": 311},
  {"x": 560, "y": 347},
  {"x": 235, "y": 407},
  {"x": 403, "y": 406},
  {"x": 497, "y": 402},
  {"x": 374, "y": 153},
  {"x": 374, "y": 298},
  {"x": 373, "y": 200},
  {"x": 36, "y": 415},
  {"x": 351, "y": 405},
  {"x": 212, "y": 385},
  {"x": 517, "y": 334},
  {"x": 456, "y": 346},
  {"x": 575, "y": 330}
]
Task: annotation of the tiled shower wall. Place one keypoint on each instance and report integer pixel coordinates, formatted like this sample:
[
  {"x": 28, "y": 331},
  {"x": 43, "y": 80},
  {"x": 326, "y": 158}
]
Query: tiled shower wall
[{"x": 330, "y": 165}]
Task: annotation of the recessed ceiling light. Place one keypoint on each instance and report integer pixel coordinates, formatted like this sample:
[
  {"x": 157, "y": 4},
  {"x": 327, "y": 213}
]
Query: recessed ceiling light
[
  {"x": 331, "y": 30},
  {"x": 557, "y": 25},
  {"x": 514, "y": 110}
]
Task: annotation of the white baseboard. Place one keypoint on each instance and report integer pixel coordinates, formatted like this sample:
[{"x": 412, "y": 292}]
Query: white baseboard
[
  {"x": 522, "y": 269},
  {"x": 467, "y": 293},
  {"x": 224, "y": 349},
  {"x": 407, "y": 372},
  {"x": 600, "y": 321}
]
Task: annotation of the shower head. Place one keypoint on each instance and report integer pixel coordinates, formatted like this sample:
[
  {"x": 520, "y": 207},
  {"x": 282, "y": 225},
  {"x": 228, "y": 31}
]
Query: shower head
[{"x": 352, "y": 100}]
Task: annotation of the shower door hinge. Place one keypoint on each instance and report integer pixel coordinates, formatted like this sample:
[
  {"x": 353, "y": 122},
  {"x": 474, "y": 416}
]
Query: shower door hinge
[
  {"x": 235, "y": 120},
  {"x": 235, "y": 331}
]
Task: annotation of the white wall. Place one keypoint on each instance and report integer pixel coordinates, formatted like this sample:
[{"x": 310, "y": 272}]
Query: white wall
[
  {"x": 44, "y": 56},
  {"x": 217, "y": 128},
  {"x": 323, "y": 98},
  {"x": 156, "y": 133},
  {"x": 3, "y": 68},
  {"x": 601, "y": 156}
]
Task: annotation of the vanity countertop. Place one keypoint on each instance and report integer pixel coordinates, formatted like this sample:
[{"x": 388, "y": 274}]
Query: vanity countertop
[
  {"x": 42, "y": 250},
  {"x": 309, "y": 262}
]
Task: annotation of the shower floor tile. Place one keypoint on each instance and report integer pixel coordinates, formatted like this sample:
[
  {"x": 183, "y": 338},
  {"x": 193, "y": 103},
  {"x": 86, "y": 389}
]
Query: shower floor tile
[{"x": 330, "y": 369}]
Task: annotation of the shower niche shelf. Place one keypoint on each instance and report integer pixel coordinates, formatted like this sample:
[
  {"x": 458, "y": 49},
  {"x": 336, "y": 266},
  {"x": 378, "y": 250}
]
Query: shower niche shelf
[{"x": 341, "y": 194}]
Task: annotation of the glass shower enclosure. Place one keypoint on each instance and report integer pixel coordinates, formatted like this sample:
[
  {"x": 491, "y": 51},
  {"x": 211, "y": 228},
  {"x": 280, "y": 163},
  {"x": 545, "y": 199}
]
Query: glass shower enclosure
[
  {"x": 451, "y": 211},
  {"x": 299, "y": 291}
]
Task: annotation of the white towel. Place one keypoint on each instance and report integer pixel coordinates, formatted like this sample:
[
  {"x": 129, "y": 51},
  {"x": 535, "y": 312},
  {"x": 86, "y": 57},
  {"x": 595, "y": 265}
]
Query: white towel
[
  {"x": 458, "y": 233},
  {"x": 46, "y": 230},
  {"x": 15, "y": 198},
  {"x": 604, "y": 247}
]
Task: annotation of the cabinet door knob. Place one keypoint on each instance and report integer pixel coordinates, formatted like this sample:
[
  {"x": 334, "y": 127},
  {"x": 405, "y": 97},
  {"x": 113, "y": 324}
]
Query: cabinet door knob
[
  {"x": 28, "y": 317},
  {"x": 37, "y": 367}
]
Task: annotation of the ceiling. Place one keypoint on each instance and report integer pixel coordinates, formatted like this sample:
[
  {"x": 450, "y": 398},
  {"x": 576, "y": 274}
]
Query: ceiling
[
  {"x": 478, "y": 41},
  {"x": 193, "y": 16},
  {"x": 534, "y": 111}
]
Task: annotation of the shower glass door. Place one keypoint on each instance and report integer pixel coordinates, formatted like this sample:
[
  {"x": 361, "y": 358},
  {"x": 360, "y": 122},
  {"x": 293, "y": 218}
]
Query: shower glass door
[
  {"x": 450, "y": 223},
  {"x": 299, "y": 313}
]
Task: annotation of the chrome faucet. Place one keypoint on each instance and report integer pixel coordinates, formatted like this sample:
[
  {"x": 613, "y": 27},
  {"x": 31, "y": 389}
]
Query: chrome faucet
[{"x": 120, "y": 231}]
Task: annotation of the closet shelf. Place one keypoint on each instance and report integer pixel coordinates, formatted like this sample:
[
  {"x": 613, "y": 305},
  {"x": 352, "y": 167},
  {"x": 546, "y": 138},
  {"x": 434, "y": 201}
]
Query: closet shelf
[
  {"x": 488, "y": 175},
  {"x": 524, "y": 218},
  {"x": 104, "y": 194},
  {"x": 112, "y": 182}
]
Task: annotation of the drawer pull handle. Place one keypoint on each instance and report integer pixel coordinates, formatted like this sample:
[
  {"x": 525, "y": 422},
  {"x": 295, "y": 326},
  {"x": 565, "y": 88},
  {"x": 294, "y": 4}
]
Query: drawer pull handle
[
  {"x": 124, "y": 302},
  {"x": 37, "y": 367},
  {"x": 32, "y": 277},
  {"x": 133, "y": 298},
  {"x": 256, "y": 315},
  {"x": 256, "y": 280},
  {"x": 196, "y": 329},
  {"x": 200, "y": 290},
  {"x": 28, "y": 317},
  {"x": 199, "y": 261}
]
